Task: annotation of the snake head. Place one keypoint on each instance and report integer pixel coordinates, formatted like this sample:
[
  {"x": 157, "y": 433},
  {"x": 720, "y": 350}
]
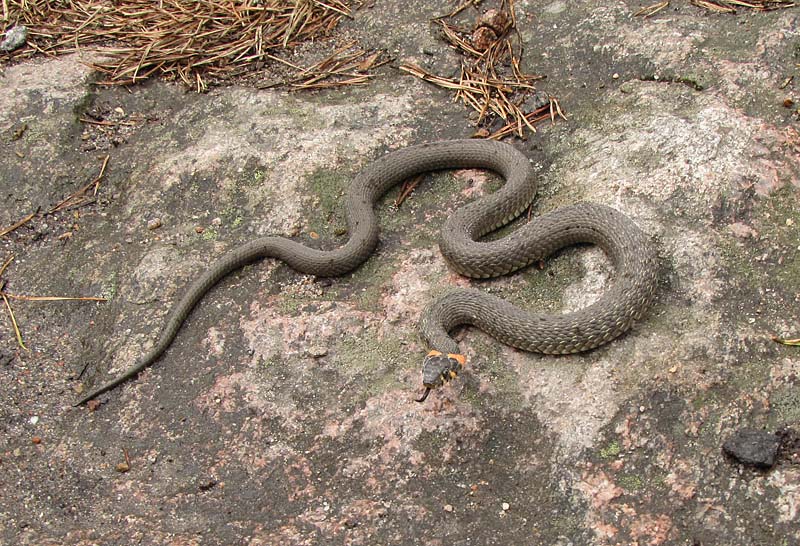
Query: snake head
[{"x": 439, "y": 368}]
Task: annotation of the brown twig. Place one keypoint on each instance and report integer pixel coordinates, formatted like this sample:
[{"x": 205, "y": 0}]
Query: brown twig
[
  {"x": 713, "y": 6},
  {"x": 348, "y": 65},
  {"x": 13, "y": 321},
  {"x": 75, "y": 199},
  {"x": 5, "y": 266},
  {"x": 53, "y": 298},
  {"x": 408, "y": 187},
  {"x": 78, "y": 197},
  {"x": 649, "y": 11},
  {"x": 10, "y": 311},
  {"x": 106, "y": 123},
  {"x": 785, "y": 341},
  {"x": 721, "y": 6},
  {"x": 540, "y": 114},
  {"x": 18, "y": 224},
  {"x": 6, "y": 296}
]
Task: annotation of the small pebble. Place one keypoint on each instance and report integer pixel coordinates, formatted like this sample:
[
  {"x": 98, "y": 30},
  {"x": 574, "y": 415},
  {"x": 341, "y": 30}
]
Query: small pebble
[
  {"x": 155, "y": 223},
  {"x": 626, "y": 87},
  {"x": 122, "y": 468},
  {"x": 34, "y": 419},
  {"x": 216, "y": 221},
  {"x": 36, "y": 440},
  {"x": 615, "y": 76},
  {"x": 15, "y": 38},
  {"x": 199, "y": 229},
  {"x": 506, "y": 507},
  {"x": 753, "y": 447},
  {"x": 448, "y": 507}
]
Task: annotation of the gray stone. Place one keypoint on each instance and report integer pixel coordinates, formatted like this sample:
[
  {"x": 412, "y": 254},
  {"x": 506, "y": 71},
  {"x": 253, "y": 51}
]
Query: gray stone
[{"x": 15, "y": 38}]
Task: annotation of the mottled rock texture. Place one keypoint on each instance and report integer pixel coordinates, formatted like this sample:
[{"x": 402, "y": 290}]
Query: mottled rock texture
[{"x": 283, "y": 413}]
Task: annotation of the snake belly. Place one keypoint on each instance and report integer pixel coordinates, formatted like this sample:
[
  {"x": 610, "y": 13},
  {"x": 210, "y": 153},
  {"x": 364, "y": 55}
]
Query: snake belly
[{"x": 629, "y": 248}]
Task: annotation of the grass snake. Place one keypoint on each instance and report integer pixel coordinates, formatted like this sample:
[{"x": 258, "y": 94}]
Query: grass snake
[{"x": 624, "y": 301}]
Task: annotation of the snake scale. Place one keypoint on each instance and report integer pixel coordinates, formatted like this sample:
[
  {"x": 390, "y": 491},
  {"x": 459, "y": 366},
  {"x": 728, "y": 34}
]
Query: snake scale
[{"x": 629, "y": 249}]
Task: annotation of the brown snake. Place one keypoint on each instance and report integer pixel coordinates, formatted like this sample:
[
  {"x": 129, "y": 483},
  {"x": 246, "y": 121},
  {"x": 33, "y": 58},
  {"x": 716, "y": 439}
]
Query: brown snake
[{"x": 629, "y": 249}]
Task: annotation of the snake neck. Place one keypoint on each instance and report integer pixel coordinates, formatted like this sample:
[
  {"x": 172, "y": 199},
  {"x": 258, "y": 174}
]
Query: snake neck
[{"x": 439, "y": 319}]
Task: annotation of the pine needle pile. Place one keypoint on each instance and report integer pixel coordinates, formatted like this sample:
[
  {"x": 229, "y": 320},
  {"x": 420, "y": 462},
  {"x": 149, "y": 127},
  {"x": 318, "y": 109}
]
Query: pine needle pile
[
  {"x": 491, "y": 81},
  {"x": 194, "y": 41}
]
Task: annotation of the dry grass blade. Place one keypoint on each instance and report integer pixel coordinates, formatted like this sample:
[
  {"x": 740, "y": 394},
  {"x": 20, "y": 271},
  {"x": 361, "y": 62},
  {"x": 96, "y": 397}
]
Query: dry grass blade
[
  {"x": 79, "y": 197},
  {"x": 713, "y": 6},
  {"x": 649, "y": 11},
  {"x": 452, "y": 36},
  {"x": 408, "y": 187},
  {"x": 721, "y": 6},
  {"x": 5, "y": 295},
  {"x": 347, "y": 66},
  {"x": 54, "y": 298},
  {"x": 14, "y": 324},
  {"x": 727, "y": 6},
  {"x": 198, "y": 42},
  {"x": 762, "y": 5},
  {"x": 433, "y": 78},
  {"x": 540, "y": 114},
  {"x": 10, "y": 311},
  {"x": 783, "y": 341},
  {"x": 17, "y": 225},
  {"x": 776, "y": 4},
  {"x": 5, "y": 266}
]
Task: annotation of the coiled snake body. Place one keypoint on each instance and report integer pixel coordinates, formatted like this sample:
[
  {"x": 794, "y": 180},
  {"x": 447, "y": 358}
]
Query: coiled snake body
[{"x": 628, "y": 247}]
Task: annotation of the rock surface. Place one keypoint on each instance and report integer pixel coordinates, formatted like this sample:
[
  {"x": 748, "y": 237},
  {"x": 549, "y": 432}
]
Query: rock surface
[{"x": 284, "y": 413}]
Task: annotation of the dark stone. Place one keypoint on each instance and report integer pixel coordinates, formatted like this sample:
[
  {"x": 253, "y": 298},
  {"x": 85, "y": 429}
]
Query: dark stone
[{"x": 753, "y": 447}]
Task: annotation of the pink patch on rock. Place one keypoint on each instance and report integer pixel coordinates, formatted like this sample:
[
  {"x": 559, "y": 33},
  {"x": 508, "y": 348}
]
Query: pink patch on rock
[
  {"x": 742, "y": 230},
  {"x": 599, "y": 489}
]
